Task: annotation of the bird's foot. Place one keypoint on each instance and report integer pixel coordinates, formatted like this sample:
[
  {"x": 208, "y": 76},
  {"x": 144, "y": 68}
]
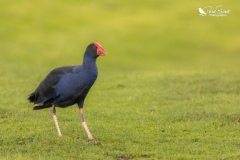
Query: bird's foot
[{"x": 90, "y": 138}]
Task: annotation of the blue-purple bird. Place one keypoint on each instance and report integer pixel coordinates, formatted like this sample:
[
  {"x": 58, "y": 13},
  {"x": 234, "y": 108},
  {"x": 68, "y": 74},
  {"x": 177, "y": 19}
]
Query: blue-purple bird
[{"x": 68, "y": 85}]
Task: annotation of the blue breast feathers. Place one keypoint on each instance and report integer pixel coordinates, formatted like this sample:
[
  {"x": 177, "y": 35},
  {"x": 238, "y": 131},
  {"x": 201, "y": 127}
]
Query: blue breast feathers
[{"x": 74, "y": 84}]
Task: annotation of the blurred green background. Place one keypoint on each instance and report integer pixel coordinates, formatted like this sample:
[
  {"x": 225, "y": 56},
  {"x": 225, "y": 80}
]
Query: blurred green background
[{"x": 148, "y": 35}]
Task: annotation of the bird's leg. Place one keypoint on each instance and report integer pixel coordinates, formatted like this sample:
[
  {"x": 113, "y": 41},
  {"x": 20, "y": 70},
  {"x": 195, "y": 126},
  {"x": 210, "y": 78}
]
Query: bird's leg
[
  {"x": 53, "y": 110},
  {"x": 90, "y": 137}
]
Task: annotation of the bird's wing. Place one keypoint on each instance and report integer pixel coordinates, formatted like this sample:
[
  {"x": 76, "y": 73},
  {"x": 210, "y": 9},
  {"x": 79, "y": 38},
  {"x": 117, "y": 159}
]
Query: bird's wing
[{"x": 45, "y": 90}]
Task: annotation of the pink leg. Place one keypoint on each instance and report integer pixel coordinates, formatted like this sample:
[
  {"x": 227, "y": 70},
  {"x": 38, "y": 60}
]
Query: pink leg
[
  {"x": 53, "y": 110},
  {"x": 90, "y": 137}
]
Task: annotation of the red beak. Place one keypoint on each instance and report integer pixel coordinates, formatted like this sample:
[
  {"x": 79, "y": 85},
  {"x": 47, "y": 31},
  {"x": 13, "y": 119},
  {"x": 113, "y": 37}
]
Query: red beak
[{"x": 100, "y": 50}]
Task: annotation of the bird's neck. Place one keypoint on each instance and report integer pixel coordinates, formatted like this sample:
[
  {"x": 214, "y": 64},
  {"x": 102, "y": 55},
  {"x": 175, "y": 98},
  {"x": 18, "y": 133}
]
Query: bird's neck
[{"x": 89, "y": 63}]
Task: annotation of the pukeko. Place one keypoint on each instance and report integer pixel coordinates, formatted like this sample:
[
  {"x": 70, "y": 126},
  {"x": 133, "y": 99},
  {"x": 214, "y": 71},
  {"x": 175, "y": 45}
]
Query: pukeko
[{"x": 68, "y": 85}]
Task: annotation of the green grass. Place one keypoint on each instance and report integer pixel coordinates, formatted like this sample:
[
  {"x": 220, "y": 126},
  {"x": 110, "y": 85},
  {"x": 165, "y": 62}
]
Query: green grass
[{"x": 168, "y": 89}]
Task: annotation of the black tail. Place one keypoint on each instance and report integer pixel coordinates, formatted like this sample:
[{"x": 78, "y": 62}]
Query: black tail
[
  {"x": 32, "y": 97},
  {"x": 41, "y": 107}
]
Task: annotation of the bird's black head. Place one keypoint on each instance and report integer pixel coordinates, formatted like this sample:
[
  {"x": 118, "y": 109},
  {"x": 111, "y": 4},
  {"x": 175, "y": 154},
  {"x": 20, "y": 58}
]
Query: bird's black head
[{"x": 94, "y": 50}]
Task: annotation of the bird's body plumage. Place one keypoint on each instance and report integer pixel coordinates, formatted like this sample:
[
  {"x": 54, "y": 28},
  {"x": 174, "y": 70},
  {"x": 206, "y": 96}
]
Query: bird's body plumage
[
  {"x": 64, "y": 87},
  {"x": 68, "y": 85}
]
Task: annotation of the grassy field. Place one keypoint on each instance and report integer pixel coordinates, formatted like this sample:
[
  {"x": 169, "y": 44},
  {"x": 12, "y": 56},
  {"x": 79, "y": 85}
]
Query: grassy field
[{"x": 168, "y": 89}]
